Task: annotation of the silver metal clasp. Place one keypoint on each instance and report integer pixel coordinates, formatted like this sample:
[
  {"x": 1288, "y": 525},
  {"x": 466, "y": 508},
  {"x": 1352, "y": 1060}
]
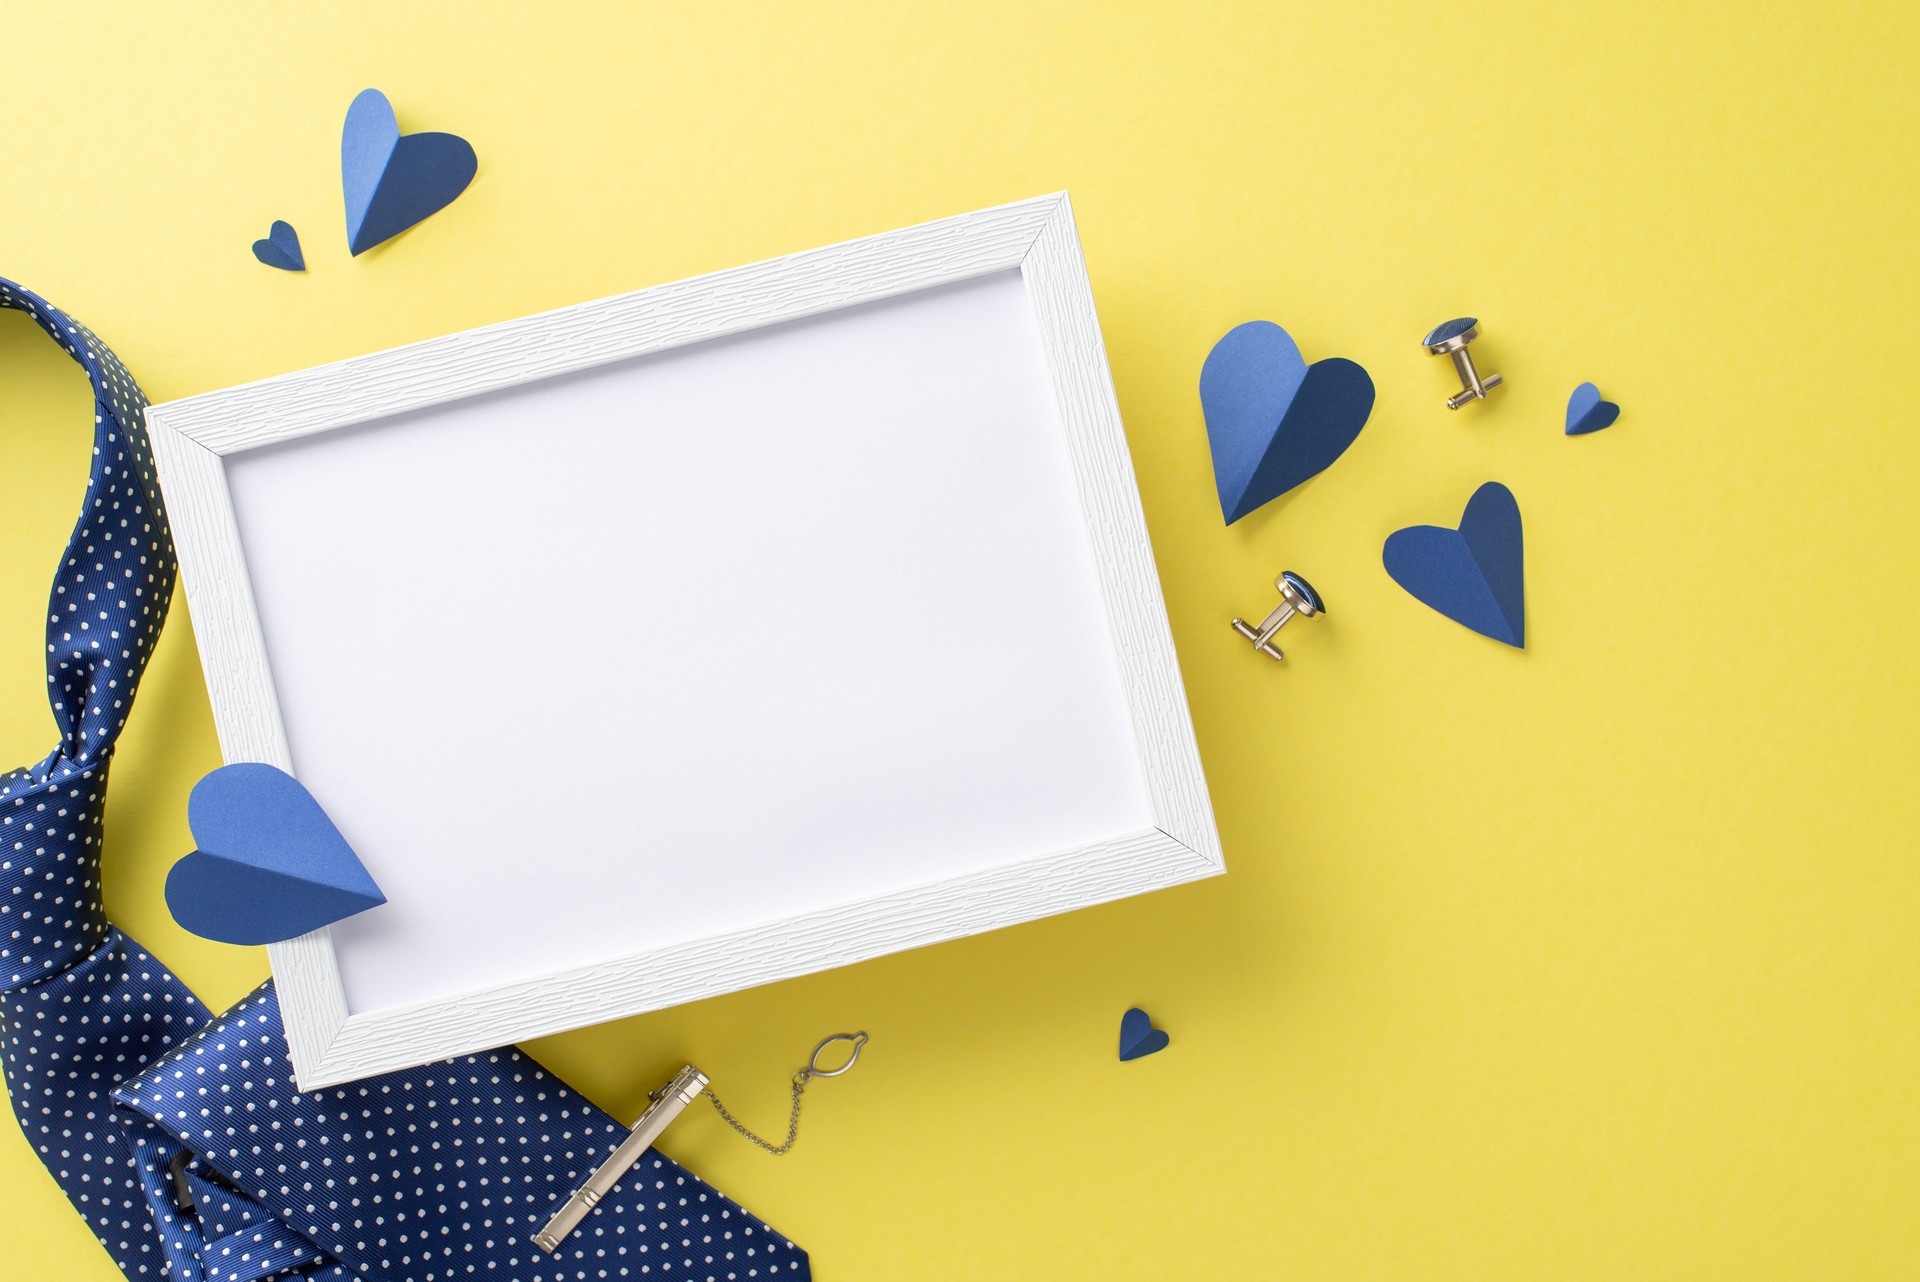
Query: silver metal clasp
[
  {"x": 667, "y": 1104},
  {"x": 853, "y": 1057}
]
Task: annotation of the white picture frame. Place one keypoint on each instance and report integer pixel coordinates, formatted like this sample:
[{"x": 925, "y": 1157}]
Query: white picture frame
[{"x": 199, "y": 441}]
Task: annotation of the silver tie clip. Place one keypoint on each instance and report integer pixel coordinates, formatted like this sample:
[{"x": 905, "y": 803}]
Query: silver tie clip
[{"x": 667, "y": 1104}]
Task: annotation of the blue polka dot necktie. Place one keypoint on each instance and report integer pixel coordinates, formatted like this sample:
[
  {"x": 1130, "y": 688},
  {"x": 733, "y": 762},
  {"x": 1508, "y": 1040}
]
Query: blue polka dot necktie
[{"x": 181, "y": 1136}]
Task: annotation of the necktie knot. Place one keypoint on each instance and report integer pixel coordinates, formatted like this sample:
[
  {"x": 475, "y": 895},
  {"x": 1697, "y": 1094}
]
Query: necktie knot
[{"x": 50, "y": 909}]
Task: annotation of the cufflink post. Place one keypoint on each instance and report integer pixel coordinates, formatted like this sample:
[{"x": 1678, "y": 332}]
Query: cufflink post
[
  {"x": 1296, "y": 597},
  {"x": 1451, "y": 339}
]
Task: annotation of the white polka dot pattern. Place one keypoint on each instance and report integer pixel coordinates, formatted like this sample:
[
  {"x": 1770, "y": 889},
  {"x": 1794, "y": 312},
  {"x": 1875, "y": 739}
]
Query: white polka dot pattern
[
  {"x": 133, "y": 1098},
  {"x": 82, "y": 1006},
  {"x": 442, "y": 1172}
]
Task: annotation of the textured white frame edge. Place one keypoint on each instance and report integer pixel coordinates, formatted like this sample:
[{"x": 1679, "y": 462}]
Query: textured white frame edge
[{"x": 190, "y": 437}]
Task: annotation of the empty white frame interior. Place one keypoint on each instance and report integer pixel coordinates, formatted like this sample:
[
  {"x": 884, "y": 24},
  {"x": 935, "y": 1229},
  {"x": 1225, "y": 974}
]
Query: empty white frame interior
[{"x": 707, "y": 662}]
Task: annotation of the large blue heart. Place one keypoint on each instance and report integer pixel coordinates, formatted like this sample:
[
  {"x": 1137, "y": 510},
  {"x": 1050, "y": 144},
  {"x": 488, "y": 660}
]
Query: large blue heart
[
  {"x": 1274, "y": 421},
  {"x": 1473, "y": 575},
  {"x": 270, "y": 864},
  {"x": 391, "y": 182}
]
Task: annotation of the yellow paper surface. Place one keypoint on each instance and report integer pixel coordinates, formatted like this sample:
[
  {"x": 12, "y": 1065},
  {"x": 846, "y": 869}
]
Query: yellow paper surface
[{"x": 1596, "y": 961}]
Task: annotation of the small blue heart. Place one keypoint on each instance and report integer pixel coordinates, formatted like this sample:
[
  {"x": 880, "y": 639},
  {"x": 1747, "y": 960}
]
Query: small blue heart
[
  {"x": 1473, "y": 575},
  {"x": 1586, "y": 412},
  {"x": 281, "y": 248},
  {"x": 1138, "y": 1036},
  {"x": 270, "y": 865},
  {"x": 1274, "y": 421},
  {"x": 391, "y": 182}
]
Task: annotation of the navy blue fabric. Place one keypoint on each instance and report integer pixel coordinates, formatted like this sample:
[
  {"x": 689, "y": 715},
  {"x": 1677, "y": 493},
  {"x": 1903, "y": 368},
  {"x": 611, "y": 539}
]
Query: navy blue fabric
[
  {"x": 132, "y": 1094},
  {"x": 437, "y": 1173},
  {"x": 81, "y": 1005}
]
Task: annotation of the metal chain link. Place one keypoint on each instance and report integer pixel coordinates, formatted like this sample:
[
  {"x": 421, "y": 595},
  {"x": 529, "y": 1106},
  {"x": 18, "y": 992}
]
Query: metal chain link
[
  {"x": 800, "y": 1080},
  {"x": 793, "y": 1122}
]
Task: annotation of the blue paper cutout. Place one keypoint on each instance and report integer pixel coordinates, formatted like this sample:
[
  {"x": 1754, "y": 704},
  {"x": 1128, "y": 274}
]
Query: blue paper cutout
[
  {"x": 270, "y": 864},
  {"x": 1473, "y": 575},
  {"x": 392, "y": 182},
  {"x": 1274, "y": 421},
  {"x": 1586, "y": 412},
  {"x": 281, "y": 248},
  {"x": 1138, "y": 1036}
]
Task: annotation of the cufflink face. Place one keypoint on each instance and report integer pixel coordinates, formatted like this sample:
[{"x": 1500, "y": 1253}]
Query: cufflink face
[
  {"x": 1297, "y": 597},
  {"x": 1447, "y": 335},
  {"x": 1294, "y": 588},
  {"x": 1450, "y": 338}
]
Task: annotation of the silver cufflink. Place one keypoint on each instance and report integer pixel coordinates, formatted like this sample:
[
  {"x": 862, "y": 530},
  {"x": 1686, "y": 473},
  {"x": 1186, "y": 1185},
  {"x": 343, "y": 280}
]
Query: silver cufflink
[
  {"x": 1451, "y": 339},
  {"x": 1296, "y": 597}
]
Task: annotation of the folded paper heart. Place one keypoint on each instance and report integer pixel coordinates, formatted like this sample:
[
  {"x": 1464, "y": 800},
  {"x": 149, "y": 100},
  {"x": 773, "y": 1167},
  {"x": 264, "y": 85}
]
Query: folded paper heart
[
  {"x": 281, "y": 248},
  {"x": 1138, "y": 1036},
  {"x": 270, "y": 865},
  {"x": 1586, "y": 412},
  {"x": 1473, "y": 575},
  {"x": 1274, "y": 421},
  {"x": 392, "y": 182}
]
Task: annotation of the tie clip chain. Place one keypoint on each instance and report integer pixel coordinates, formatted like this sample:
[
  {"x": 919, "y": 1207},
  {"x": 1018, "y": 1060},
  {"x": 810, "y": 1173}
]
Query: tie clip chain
[{"x": 666, "y": 1104}]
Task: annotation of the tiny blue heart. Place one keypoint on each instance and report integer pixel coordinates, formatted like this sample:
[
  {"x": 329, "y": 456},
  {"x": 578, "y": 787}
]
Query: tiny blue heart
[
  {"x": 392, "y": 181},
  {"x": 1586, "y": 412},
  {"x": 1473, "y": 575},
  {"x": 1274, "y": 421},
  {"x": 1138, "y": 1036},
  {"x": 270, "y": 865},
  {"x": 281, "y": 248}
]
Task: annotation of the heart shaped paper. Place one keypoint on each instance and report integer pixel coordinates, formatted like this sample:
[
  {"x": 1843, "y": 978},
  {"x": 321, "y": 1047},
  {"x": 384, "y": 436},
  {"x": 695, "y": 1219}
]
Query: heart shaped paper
[
  {"x": 281, "y": 248},
  {"x": 1138, "y": 1036},
  {"x": 392, "y": 182},
  {"x": 270, "y": 865},
  {"x": 1274, "y": 421},
  {"x": 1473, "y": 575},
  {"x": 1586, "y": 412}
]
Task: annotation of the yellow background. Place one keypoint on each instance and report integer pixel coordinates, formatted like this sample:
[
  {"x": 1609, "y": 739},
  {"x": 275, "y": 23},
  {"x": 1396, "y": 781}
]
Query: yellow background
[{"x": 1595, "y": 961}]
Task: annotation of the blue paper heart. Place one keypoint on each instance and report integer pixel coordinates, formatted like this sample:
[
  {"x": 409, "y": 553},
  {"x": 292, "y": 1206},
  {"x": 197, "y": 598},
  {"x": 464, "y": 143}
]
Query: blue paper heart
[
  {"x": 1586, "y": 412},
  {"x": 1274, "y": 421},
  {"x": 1138, "y": 1036},
  {"x": 270, "y": 864},
  {"x": 281, "y": 248},
  {"x": 1473, "y": 575},
  {"x": 391, "y": 182}
]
